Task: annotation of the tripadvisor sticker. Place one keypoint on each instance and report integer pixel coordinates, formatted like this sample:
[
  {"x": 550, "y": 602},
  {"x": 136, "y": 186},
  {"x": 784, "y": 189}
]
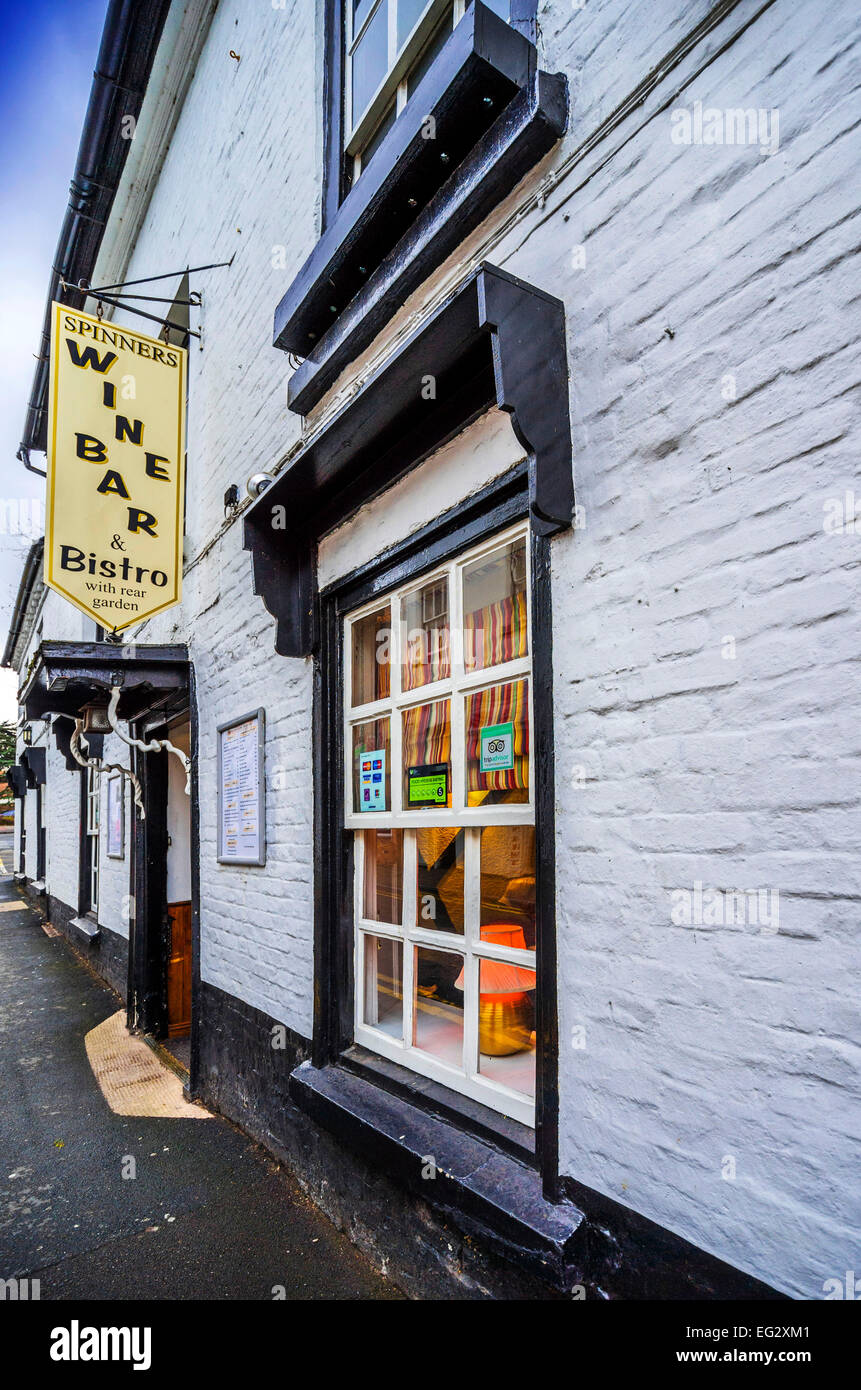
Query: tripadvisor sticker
[{"x": 497, "y": 747}]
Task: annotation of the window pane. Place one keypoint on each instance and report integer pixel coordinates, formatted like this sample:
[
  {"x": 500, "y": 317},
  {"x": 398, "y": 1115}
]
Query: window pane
[
  {"x": 439, "y": 887},
  {"x": 494, "y": 608},
  {"x": 425, "y": 634},
  {"x": 438, "y": 1005},
  {"x": 497, "y": 744},
  {"x": 427, "y": 755},
  {"x": 384, "y": 988},
  {"x": 371, "y": 671},
  {"x": 508, "y": 885},
  {"x": 384, "y": 873},
  {"x": 372, "y": 788},
  {"x": 409, "y": 13},
  {"x": 379, "y": 135},
  {"x": 429, "y": 53},
  {"x": 506, "y": 1025},
  {"x": 370, "y": 61},
  {"x": 361, "y": 10}
]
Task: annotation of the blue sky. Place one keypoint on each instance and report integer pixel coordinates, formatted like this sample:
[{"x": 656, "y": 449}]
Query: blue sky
[{"x": 47, "y": 57}]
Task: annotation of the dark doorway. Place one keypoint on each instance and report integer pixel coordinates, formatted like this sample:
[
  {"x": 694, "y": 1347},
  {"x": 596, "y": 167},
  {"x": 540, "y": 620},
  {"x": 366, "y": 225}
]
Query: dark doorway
[{"x": 160, "y": 955}]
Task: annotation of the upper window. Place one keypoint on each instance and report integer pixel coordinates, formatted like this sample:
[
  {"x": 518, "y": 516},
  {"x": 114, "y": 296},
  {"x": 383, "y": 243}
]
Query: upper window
[
  {"x": 439, "y": 792},
  {"x": 390, "y": 45}
]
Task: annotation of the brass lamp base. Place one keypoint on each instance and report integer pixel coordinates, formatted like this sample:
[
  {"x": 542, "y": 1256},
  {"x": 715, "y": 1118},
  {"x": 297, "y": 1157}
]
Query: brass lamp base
[{"x": 504, "y": 1024}]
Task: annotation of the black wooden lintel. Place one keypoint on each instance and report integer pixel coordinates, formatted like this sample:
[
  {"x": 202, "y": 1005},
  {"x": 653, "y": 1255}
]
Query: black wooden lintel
[
  {"x": 497, "y": 341},
  {"x": 33, "y": 761}
]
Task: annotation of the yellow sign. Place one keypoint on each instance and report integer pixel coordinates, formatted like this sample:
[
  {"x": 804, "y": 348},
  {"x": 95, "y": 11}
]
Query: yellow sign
[{"x": 116, "y": 453}]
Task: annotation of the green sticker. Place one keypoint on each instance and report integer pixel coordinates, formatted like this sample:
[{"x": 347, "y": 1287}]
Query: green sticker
[
  {"x": 497, "y": 747},
  {"x": 427, "y": 784}
]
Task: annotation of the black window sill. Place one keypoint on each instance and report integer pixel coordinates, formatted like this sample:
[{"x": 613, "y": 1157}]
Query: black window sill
[
  {"x": 495, "y": 116},
  {"x": 489, "y": 1125},
  {"x": 490, "y": 1194}
]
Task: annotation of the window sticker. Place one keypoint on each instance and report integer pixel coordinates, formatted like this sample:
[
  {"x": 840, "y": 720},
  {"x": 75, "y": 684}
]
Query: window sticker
[
  {"x": 372, "y": 780},
  {"x": 497, "y": 748},
  {"x": 427, "y": 784}
]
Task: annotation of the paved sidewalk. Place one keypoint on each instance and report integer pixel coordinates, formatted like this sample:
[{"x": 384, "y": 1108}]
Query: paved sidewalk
[{"x": 208, "y": 1214}]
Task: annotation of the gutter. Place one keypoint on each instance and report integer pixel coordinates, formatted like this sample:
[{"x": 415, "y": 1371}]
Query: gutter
[
  {"x": 130, "y": 39},
  {"x": 29, "y": 576}
]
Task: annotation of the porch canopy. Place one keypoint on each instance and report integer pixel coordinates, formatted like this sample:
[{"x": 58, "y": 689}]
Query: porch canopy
[{"x": 65, "y": 676}]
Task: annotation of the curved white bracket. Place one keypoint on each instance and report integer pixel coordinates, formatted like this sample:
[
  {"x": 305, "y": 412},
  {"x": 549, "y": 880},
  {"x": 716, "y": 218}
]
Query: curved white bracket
[
  {"x": 74, "y": 748},
  {"x": 157, "y": 745}
]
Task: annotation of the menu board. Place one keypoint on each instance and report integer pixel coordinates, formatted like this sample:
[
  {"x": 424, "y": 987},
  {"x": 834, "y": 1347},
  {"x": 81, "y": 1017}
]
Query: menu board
[
  {"x": 241, "y": 791},
  {"x": 116, "y": 825}
]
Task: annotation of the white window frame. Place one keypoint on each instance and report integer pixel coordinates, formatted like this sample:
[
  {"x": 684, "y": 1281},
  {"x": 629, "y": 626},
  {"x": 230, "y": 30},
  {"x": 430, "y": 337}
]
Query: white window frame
[
  {"x": 411, "y": 934},
  {"x": 394, "y": 83},
  {"x": 460, "y": 683},
  {"x": 93, "y": 833}
]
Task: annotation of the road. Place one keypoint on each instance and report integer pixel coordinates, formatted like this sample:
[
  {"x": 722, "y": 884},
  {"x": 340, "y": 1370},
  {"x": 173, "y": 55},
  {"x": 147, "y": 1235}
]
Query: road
[{"x": 207, "y": 1215}]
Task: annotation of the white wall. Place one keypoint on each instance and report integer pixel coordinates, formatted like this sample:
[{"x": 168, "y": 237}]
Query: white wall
[
  {"x": 454, "y": 473},
  {"x": 704, "y": 520},
  {"x": 63, "y": 821}
]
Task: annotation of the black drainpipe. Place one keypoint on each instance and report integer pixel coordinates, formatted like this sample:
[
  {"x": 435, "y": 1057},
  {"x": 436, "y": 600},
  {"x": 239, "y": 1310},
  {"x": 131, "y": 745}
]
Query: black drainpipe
[{"x": 129, "y": 42}]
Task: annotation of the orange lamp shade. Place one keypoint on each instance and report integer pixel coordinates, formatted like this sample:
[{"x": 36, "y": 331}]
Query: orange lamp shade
[{"x": 498, "y": 977}]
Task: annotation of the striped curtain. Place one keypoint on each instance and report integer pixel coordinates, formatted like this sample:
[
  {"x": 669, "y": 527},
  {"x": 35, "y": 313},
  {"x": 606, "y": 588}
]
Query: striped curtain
[
  {"x": 427, "y": 734},
  {"x": 495, "y": 633},
  {"x": 427, "y": 657},
  {"x": 500, "y": 704}
]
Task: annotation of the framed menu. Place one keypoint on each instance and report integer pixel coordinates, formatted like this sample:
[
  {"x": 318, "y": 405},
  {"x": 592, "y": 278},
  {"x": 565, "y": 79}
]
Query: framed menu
[
  {"x": 116, "y": 817},
  {"x": 241, "y": 791}
]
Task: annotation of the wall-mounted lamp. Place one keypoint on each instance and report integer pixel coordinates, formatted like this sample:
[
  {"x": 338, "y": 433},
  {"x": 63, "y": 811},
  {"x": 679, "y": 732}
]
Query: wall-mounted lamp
[
  {"x": 95, "y": 716},
  {"x": 257, "y": 483}
]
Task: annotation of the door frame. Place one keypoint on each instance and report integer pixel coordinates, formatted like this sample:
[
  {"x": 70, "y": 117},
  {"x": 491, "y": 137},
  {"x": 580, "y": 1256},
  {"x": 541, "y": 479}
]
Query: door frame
[{"x": 149, "y": 924}]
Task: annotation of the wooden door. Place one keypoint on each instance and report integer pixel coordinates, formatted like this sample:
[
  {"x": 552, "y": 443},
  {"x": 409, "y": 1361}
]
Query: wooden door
[{"x": 179, "y": 970}]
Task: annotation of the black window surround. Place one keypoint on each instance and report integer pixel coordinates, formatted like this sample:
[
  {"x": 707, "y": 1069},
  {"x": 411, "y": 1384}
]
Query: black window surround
[
  {"x": 496, "y": 1178},
  {"x": 500, "y": 504},
  {"x": 495, "y": 115},
  {"x": 495, "y": 342}
]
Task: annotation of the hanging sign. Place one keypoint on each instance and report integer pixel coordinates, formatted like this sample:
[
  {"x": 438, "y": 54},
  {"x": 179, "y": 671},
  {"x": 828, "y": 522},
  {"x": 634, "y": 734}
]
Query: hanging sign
[
  {"x": 116, "y": 451},
  {"x": 497, "y": 748},
  {"x": 241, "y": 791},
  {"x": 372, "y": 780}
]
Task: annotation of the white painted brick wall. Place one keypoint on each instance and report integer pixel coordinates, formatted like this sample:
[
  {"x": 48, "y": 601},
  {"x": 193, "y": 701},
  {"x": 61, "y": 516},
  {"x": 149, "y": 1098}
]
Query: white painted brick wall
[
  {"x": 58, "y": 621},
  {"x": 63, "y": 805},
  {"x": 703, "y": 519}
]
